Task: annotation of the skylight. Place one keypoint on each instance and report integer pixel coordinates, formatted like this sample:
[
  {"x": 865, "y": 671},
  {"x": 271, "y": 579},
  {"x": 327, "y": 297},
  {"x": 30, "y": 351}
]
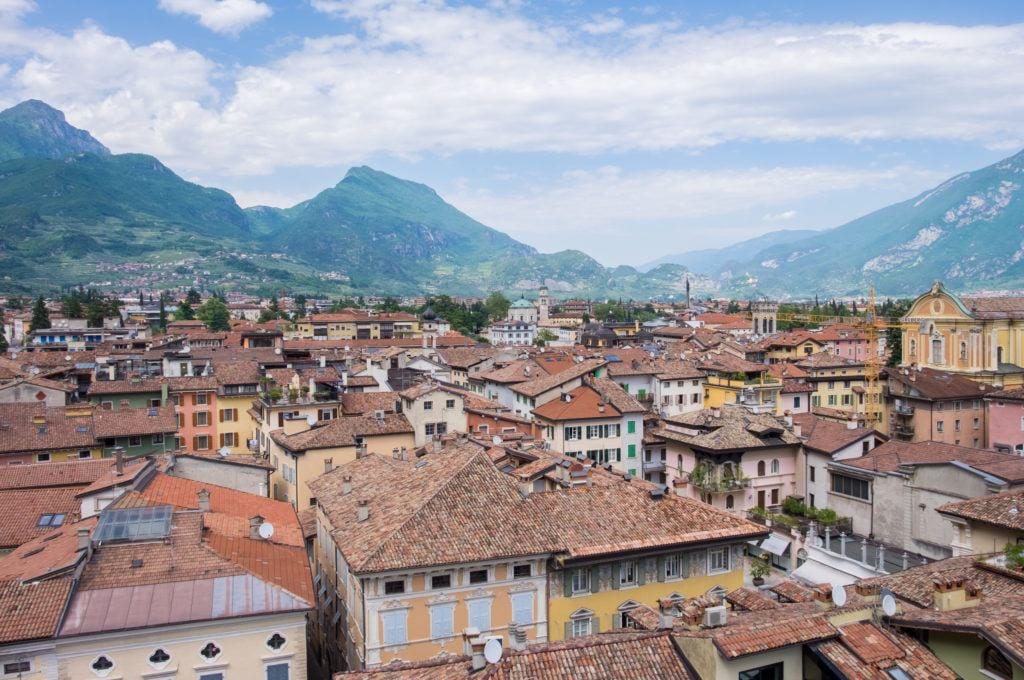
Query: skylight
[{"x": 134, "y": 524}]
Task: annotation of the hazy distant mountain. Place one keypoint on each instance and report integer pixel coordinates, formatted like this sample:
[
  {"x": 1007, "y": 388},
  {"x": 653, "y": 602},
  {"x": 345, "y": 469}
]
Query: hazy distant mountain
[
  {"x": 711, "y": 261},
  {"x": 967, "y": 232},
  {"x": 37, "y": 130}
]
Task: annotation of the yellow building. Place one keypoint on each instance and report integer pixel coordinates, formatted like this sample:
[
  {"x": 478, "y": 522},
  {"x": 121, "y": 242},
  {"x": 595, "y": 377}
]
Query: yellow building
[
  {"x": 463, "y": 545},
  {"x": 237, "y": 387},
  {"x": 986, "y": 524},
  {"x": 731, "y": 380},
  {"x": 301, "y": 452},
  {"x": 980, "y": 337},
  {"x": 355, "y": 325},
  {"x": 839, "y": 383}
]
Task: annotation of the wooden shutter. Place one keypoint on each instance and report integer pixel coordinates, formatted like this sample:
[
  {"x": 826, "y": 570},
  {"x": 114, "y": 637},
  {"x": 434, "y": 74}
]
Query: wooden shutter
[
  {"x": 641, "y": 571},
  {"x": 661, "y": 568},
  {"x": 195, "y": 443},
  {"x": 195, "y": 418},
  {"x": 567, "y": 582},
  {"x": 193, "y": 398},
  {"x": 616, "y": 575},
  {"x": 220, "y": 415},
  {"x": 595, "y": 579},
  {"x": 568, "y": 630},
  {"x": 595, "y": 625},
  {"x": 222, "y": 439},
  {"x": 234, "y": 414}
]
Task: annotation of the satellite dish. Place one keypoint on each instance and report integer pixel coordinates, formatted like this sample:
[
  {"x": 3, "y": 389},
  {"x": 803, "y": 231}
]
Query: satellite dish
[
  {"x": 888, "y": 602},
  {"x": 496, "y": 440},
  {"x": 311, "y": 420},
  {"x": 266, "y": 531},
  {"x": 224, "y": 451},
  {"x": 493, "y": 650},
  {"x": 838, "y": 595}
]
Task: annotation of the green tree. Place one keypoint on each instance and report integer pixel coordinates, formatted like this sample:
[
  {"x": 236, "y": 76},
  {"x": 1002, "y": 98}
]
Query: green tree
[
  {"x": 300, "y": 306},
  {"x": 214, "y": 313},
  {"x": 3, "y": 340},
  {"x": 185, "y": 312},
  {"x": 496, "y": 305},
  {"x": 544, "y": 337},
  {"x": 733, "y": 308},
  {"x": 72, "y": 305},
  {"x": 95, "y": 312},
  {"x": 193, "y": 297},
  {"x": 40, "y": 315},
  {"x": 162, "y": 322}
]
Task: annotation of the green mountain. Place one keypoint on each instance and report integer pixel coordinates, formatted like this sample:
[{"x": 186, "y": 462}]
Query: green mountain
[
  {"x": 36, "y": 129},
  {"x": 72, "y": 213},
  {"x": 967, "y": 232},
  {"x": 710, "y": 261}
]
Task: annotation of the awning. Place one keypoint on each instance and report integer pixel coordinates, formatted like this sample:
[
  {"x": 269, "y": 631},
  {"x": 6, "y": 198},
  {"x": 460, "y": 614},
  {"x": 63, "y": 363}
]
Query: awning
[
  {"x": 813, "y": 573},
  {"x": 776, "y": 545}
]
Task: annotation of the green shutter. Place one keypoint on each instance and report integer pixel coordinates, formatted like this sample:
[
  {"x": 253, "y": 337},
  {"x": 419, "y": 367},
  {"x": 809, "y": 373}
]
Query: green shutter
[
  {"x": 641, "y": 572},
  {"x": 595, "y": 624},
  {"x": 595, "y": 579},
  {"x": 632, "y": 472},
  {"x": 567, "y": 579},
  {"x": 568, "y": 630},
  {"x": 631, "y": 450},
  {"x": 625, "y": 387},
  {"x": 615, "y": 576},
  {"x": 661, "y": 569},
  {"x": 630, "y": 427}
]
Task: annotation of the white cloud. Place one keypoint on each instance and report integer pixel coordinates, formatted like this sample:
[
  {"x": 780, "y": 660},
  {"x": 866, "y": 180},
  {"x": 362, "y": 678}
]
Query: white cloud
[
  {"x": 428, "y": 78},
  {"x": 221, "y": 16},
  {"x": 784, "y": 216},
  {"x": 247, "y": 198}
]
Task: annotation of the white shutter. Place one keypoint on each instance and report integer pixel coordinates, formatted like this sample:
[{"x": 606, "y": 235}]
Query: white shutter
[
  {"x": 480, "y": 614},
  {"x": 442, "y": 620},
  {"x": 394, "y": 627},
  {"x": 522, "y": 608}
]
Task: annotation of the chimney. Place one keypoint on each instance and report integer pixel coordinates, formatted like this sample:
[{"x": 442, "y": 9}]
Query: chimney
[
  {"x": 360, "y": 450},
  {"x": 119, "y": 461},
  {"x": 323, "y": 361},
  {"x": 204, "y": 500},
  {"x": 798, "y": 429},
  {"x": 517, "y": 637},
  {"x": 787, "y": 417},
  {"x": 344, "y": 379},
  {"x": 84, "y": 542},
  {"x": 346, "y": 485},
  {"x": 567, "y": 397},
  {"x": 950, "y": 594},
  {"x": 255, "y": 522},
  {"x": 363, "y": 510},
  {"x": 823, "y": 595}
]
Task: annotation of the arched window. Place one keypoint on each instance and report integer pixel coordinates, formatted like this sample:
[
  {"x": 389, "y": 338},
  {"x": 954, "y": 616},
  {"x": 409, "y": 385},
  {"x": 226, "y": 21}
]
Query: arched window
[
  {"x": 775, "y": 466},
  {"x": 995, "y": 663},
  {"x": 159, "y": 659},
  {"x": 760, "y": 468},
  {"x": 963, "y": 351},
  {"x": 729, "y": 502}
]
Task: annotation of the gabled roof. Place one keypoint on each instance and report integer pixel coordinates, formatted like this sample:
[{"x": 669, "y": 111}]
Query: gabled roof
[
  {"x": 893, "y": 454},
  {"x": 532, "y": 388},
  {"x": 828, "y": 436},
  {"x": 819, "y": 360},
  {"x": 727, "y": 428},
  {"x": 929, "y": 383},
  {"x": 342, "y": 432},
  {"x": 1002, "y": 509}
]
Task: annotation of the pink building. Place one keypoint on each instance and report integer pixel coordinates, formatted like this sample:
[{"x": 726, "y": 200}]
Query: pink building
[
  {"x": 730, "y": 458},
  {"x": 1004, "y": 417}
]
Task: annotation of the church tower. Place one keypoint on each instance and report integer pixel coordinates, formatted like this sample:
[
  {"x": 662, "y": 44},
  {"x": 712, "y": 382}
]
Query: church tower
[{"x": 543, "y": 300}]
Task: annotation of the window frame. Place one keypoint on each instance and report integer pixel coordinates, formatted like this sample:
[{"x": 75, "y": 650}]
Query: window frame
[
  {"x": 449, "y": 609},
  {"x": 727, "y": 562},
  {"x": 392, "y": 615}
]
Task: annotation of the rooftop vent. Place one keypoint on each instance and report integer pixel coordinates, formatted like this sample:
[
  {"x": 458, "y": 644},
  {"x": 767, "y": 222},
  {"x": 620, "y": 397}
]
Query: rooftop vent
[{"x": 137, "y": 563}]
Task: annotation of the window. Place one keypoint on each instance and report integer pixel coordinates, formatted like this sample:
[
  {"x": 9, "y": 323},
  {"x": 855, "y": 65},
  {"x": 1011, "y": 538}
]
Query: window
[
  {"x": 442, "y": 620},
  {"x": 522, "y": 571},
  {"x": 50, "y": 520},
  {"x": 276, "y": 642},
  {"x": 439, "y": 581},
  {"x": 229, "y": 439},
  {"x": 581, "y": 626},
  {"x": 718, "y": 560},
  {"x": 478, "y": 576},
  {"x": 995, "y": 662},
  {"x": 101, "y": 665},
  {"x": 201, "y": 399},
  {"x": 428, "y": 406},
  {"x": 157, "y": 439},
  {"x": 580, "y": 581},
  {"x": 449, "y": 403},
  {"x": 940, "y": 426},
  {"x": 176, "y": 399},
  {"x": 277, "y": 671},
  {"x": 850, "y": 486},
  {"x": 775, "y": 466},
  {"x": 775, "y": 496},
  {"x": 228, "y": 415},
  {"x": 45, "y": 457},
  {"x": 394, "y": 627},
  {"x": 394, "y": 587},
  {"x": 631, "y": 451},
  {"x": 796, "y": 402},
  {"x": 134, "y": 441},
  {"x": 958, "y": 405},
  {"x": 772, "y": 672},
  {"x": 810, "y": 471},
  {"x": 201, "y": 442},
  {"x": 760, "y": 468},
  {"x": 159, "y": 658},
  {"x": 573, "y": 433},
  {"x": 210, "y": 651},
  {"x": 630, "y": 427},
  {"x": 956, "y": 425},
  {"x": 730, "y": 502},
  {"x": 628, "y": 572},
  {"x": 674, "y": 566},
  {"x": 15, "y": 667},
  {"x": 480, "y": 614},
  {"x": 522, "y": 608}
]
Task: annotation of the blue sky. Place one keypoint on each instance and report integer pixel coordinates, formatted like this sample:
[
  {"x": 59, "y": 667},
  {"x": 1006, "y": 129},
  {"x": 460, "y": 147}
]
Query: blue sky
[{"x": 627, "y": 130}]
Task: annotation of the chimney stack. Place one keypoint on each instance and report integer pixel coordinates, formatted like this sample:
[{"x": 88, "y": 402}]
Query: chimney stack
[
  {"x": 204, "y": 500},
  {"x": 323, "y": 361},
  {"x": 255, "y": 523},
  {"x": 798, "y": 429},
  {"x": 119, "y": 460},
  {"x": 346, "y": 485},
  {"x": 363, "y": 510},
  {"x": 84, "y": 542},
  {"x": 517, "y": 637}
]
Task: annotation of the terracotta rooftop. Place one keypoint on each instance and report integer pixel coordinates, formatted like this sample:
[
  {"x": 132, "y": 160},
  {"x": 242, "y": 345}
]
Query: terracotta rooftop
[
  {"x": 135, "y": 421},
  {"x": 928, "y": 383},
  {"x": 820, "y": 360},
  {"x": 995, "y": 307},
  {"x": 22, "y": 512},
  {"x": 465, "y": 357},
  {"x": 612, "y": 656},
  {"x": 733, "y": 428},
  {"x": 916, "y": 585},
  {"x": 134, "y": 385},
  {"x": 362, "y": 403},
  {"x": 750, "y": 599},
  {"x": 584, "y": 403},
  {"x": 43, "y": 475},
  {"x": 31, "y": 427},
  {"x": 342, "y": 432},
  {"x": 753, "y": 632},
  {"x": 892, "y": 454},
  {"x": 32, "y": 610},
  {"x": 866, "y": 651},
  {"x": 1002, "y": 509},
  {"x": 532, "y": 388},
  {"x": 828, "y": 436}
]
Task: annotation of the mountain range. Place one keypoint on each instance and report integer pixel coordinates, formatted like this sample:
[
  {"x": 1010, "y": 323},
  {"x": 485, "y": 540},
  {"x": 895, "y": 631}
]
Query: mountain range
[{"x": 73, "y": 213}]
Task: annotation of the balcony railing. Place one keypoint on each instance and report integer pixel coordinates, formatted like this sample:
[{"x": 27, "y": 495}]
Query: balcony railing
[
  {"x": 714, "y": 485},
  {"x": 903, "y": 431},
  {"x": 903, "y": 409},
  {"x": 654, "y": 466}
]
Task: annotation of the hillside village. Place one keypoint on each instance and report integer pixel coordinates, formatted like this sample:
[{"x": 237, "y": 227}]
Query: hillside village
[{"x": 295, "y": 488}]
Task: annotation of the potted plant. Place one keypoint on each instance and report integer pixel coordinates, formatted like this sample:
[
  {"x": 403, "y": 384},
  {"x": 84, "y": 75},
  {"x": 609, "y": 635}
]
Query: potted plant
[
  {"x": 759, "y": 568},
  {"x": 275, "y": 394}
]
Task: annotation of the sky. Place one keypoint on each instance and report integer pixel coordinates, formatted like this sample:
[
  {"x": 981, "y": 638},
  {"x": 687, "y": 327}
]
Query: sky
[{"x": 627, "y": 130}]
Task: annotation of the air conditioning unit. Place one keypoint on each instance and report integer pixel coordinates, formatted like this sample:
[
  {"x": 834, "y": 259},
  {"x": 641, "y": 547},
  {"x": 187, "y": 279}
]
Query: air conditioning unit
[{"x": 715, "y": 617}]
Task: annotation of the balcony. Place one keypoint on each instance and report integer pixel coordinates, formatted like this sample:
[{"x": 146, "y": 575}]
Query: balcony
[
  {"x": 710, "y": 480},
  {"x": 903, "y": 431},
  {"x": 654, "y": 466},
  {"x": 903, "y": 409}
]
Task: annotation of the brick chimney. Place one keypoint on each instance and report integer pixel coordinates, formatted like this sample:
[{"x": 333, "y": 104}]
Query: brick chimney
[
  {"x": 952, "y": 593},
  {"x": 204, "y": 500},
  {"x": 255, "y": 522}
]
